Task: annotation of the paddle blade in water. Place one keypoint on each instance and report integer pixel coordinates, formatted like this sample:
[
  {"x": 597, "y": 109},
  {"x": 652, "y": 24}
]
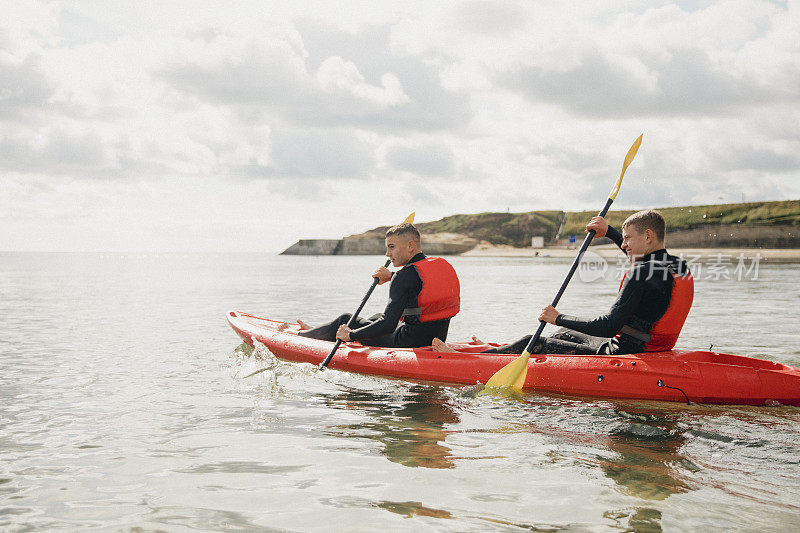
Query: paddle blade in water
[{"x": 511, "y": 376}]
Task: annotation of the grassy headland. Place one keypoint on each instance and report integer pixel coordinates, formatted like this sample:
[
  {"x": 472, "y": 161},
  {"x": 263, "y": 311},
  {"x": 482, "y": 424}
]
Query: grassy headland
[
  {"x": 690, "y": 217},
  {"x": 515, "y": 229},
  {"x": 752, "y": 224}
]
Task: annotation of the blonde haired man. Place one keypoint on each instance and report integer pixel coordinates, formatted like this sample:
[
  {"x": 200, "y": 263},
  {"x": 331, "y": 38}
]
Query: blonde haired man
[{"x": 653, "y": 301}]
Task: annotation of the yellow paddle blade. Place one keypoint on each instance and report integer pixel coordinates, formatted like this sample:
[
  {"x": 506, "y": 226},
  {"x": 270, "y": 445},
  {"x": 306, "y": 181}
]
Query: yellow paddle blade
[
  {"x": 410, "y": 218},
  {"x": 628, "y": 160},
  {"x": 511, "y": 376}
]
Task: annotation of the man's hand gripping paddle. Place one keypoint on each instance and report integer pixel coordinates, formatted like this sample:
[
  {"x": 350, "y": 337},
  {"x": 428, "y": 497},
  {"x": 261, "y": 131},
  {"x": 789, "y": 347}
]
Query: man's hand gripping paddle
[
  {"x": 409, "y": 220},
  {"x": 512, "y": 376}
]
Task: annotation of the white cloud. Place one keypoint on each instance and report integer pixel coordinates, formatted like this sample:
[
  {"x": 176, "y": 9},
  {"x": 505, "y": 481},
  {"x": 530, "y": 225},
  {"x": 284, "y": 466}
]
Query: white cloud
[
  {"x": 275, "y": 77},
  {"x": 24, "y": 87},
  {"x": 258, "y": 70},
  {"x": 192, "y": 124},
  {"x": 339, "y": 77},
  {"x": 312, "y": 155},
  {"x": 490, "y": 18},
  {"x": 423, "y": 159},
  {"x": 54, "y": 151},
  {"x": 683, "y": 82}
]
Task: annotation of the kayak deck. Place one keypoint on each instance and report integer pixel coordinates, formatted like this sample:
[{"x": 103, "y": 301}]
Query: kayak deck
[{"x": 675, "y": 375}]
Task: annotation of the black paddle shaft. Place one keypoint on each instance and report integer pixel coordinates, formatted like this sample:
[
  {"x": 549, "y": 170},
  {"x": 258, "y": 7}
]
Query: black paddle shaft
[
  {"x": 353, "y": 318},
  {"x": 572, "y": 270}
]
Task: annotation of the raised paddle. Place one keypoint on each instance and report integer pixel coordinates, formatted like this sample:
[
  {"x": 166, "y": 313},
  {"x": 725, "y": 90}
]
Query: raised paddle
[
  {"x": 324, "y": 364},
  {"x": 512, "y": 376}
]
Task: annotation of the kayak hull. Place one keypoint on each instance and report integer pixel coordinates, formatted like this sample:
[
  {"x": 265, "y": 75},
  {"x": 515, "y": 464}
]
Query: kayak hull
[{"x": 675, "y": 375}]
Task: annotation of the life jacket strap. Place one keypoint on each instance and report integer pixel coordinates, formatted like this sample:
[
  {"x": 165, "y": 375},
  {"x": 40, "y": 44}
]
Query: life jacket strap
[
  {"x": 636, "y": 334},
  {"x": 412, "y": 311}
]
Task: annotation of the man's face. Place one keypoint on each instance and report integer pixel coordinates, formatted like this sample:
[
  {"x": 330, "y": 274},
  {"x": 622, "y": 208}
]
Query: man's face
[
  {"x": 400, "y": 249},
  {"x": 636, "y": 244}
]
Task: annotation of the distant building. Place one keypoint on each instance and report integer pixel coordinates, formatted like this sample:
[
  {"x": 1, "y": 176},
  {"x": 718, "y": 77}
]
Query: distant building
[{"x": 537, "y": 242}]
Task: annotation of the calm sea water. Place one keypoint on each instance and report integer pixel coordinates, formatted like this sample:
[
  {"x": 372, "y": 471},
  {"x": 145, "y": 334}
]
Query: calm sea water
[{"x": 124, "y": 407}]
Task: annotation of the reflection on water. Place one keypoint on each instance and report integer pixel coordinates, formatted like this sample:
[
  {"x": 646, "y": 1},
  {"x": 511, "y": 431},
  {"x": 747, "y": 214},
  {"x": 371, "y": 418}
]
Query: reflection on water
[
  {"x": 411, "y": 430},
  {"x": 405, "y": 509},
  {"x": 640, "y": 520},
  {"x": 201, "y": 519},
  {"x": 409, "y": 509},
  {"x": 645, "y": 451},
  {"x": 640, "y": 449}
]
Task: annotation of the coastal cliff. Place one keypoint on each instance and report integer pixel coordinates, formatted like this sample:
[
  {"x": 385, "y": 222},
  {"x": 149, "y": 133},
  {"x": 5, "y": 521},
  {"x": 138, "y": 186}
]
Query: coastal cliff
[
  {"x": 373, "y": 244},
  {"x": 745, "y": 225}
]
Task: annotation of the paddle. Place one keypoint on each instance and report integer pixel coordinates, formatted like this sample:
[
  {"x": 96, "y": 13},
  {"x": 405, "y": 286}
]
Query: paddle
[
  {"x": 512, "y": 376},
  {"x": 409, "y": 220}
]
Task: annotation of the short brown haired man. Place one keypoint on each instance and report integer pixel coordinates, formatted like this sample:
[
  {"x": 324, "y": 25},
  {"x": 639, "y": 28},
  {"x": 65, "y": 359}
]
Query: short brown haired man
[{"x": 424, "y": 294}]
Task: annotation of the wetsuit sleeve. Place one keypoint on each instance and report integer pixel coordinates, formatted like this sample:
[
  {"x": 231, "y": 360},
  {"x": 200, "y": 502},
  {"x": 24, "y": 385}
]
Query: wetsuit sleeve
[
  {"x": 614, "y": 234},
  {"x": 402, "y": 288},
  {"x": 608, "y": 325}
]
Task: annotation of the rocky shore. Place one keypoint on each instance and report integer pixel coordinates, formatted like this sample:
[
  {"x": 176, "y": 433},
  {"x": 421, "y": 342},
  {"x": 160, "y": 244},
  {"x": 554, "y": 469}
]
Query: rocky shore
[
  {"x": 610, "y": 251},
  {"x": 369, "y": 244}
]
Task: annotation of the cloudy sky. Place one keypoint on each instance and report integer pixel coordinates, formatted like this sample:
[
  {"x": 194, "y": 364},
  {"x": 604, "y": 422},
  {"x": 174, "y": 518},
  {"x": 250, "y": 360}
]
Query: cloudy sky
[{"x": 226, "y": 126}]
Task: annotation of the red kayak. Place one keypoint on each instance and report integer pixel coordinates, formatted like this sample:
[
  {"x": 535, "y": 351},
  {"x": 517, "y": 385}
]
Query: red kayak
[{"x": 675, "y": 375}]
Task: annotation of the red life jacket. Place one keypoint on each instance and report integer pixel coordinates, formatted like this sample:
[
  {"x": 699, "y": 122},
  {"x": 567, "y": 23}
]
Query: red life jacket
[
  {"x": 440, "y": 296},
  {"x": 664, "y": 333}
]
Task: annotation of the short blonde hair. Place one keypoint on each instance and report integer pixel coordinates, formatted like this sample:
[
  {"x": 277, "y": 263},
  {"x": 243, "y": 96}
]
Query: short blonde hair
[{"x": 648, "y": 219}]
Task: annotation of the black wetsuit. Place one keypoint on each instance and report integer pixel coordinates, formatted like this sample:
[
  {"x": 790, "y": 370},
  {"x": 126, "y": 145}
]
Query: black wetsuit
[
  {"x": 381, "y": 329},
  {"x": 642, "y": 301}
]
